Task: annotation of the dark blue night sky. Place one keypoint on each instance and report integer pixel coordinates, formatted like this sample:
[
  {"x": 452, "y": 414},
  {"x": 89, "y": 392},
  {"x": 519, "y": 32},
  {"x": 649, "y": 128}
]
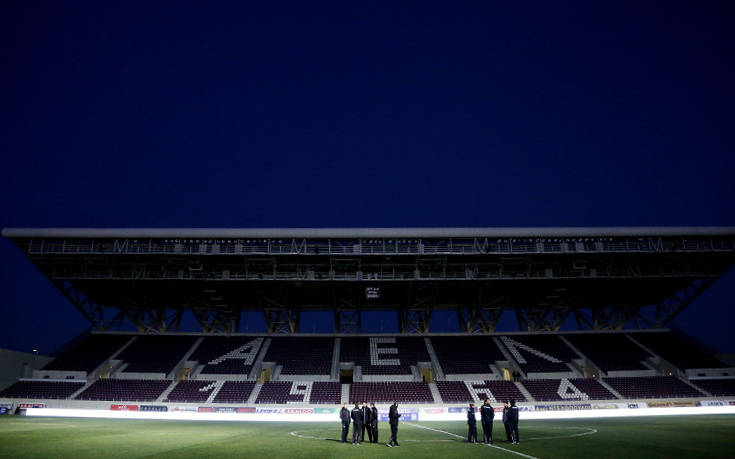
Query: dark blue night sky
[{"x": 328, "y": 115}]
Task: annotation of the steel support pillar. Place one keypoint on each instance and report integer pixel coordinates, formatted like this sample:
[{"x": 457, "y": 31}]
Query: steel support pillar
[
  {"x": 415, "y": 316},
  {"x": 609, "y": 318},
  {"x": 90, "y": 309},
  {"x": 671, "y": 307},
  {"x": 281, "y": 320},
  {"x": 542, "y": 319},
  {"x": 483, "y": 316},
  {"x": 218, "y": 320},
  {"x": 347, "y": 316}
]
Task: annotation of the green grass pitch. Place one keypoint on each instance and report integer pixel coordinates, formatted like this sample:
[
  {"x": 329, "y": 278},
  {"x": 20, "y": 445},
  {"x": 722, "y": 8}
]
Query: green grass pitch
[{"x": 691, "y": 436}]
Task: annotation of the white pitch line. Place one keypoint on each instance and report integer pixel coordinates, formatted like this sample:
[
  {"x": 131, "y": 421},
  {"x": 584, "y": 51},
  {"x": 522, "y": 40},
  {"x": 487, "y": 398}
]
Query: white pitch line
[
  {"x": 589, "y": 431},
  {"x": 459, "y": 436},
  {"x": 296, "y": 434}
]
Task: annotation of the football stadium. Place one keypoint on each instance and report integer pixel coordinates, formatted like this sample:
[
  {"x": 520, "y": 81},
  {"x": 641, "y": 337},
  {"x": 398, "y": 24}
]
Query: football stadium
[{"x": 594, "y": 367}]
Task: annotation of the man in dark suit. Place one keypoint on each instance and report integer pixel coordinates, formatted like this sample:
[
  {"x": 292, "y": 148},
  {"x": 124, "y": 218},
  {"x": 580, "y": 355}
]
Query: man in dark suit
[
  {"x": 393, "y": 416},
  {"x": 356, "y": 423},
  {"x": 374, "y": 423},
  {"x": 344, "y": 415},
  {"x": 472, "y": 424},
  {"x": 506, "y": 410},
  {"x": 513, "y": 421},
  {"x": 366, "y": 415},
  {"x": 487, "y": 414}
]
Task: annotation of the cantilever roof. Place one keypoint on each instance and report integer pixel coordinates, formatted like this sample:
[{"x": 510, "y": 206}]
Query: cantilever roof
[{"x": 325, "y": 233}]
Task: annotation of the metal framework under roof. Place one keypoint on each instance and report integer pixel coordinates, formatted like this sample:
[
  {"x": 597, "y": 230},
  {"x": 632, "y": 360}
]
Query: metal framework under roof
[{"x": 604, "y": 277}]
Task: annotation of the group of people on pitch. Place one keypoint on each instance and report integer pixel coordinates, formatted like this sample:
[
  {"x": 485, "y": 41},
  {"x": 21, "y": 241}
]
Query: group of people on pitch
[
  {"x": 366, "y": 418},
  {"x": 487, "y": 414}
]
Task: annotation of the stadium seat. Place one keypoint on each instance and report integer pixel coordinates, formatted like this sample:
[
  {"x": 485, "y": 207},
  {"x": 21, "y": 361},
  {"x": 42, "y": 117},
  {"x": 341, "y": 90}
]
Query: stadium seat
[
  {"x": 466, "y": 354},
  {"x": 54, "y": 390},
  {"x": 233, "y": 355},
  {"x": 386, "y": 392},
  {"x": 652, "y": 387},
  {"x": 384, "y": 355},
  {"x": 301, "y": 355},
  {"x": 155, "y": 354},
  {"x": 89, "y": 353},
  {"x": 139, "y": 390},
  {"x": 610, "y": 351}
]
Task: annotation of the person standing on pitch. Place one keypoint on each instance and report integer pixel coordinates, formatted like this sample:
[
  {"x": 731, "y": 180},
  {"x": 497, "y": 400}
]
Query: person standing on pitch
[
  {"x": 506, "y": 409},
  {"x": 344, "y": 415},
  {"x": 374, "y": 423},
  {"x": 393, "y": 416},
  {"x": 366, "y": 415},
  {"x": 472, "y": 423},
  {"x": 513, "y": 421},
  {"x": 487, "y": 414},
  {"x": 356, "y": 423}
]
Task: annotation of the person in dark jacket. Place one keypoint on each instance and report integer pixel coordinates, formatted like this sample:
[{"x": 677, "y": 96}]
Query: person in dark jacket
[
  {"x": 487, "y": 414},
  {"x": 357, "y": 417},
  {"x": 374, "y": 423},
  {"x": 472, "y": 423},
  {"x": 366, "y": 415},
  {"x": 513, "y": 421},
  {"x": 506, "y": 408},
  {"x": 344, "y": 415},
  {"x": 393, "y": 416}
]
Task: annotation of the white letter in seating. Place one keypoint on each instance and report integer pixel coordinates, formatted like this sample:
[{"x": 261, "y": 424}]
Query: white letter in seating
[{"x": 376, "y": 351}]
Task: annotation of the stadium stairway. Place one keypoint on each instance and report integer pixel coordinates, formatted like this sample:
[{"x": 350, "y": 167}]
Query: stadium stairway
[
  {"x": 258, "y": 364},
  {"x": 511, "y": 361},
  {"x": 83, "y": 388},
  {"x": 164, "y": 394},
  {"x": 345, "y": 394},
  {"x": 180, "y": 365},
  {"x": 695, "y": 387},
  {"x": 435, "y": 393},
  {"x": 256, "y": 390},
  {"x": 658, "y": 362},
  {"x": 524, "y": 391},
  {"x": 610, "y": 388},
  {"x": 438, "y": 371},
  {"x": 586, "y": 360},
  {"x": 334, "y": 374},
  {"x": 109, "y": 362}
]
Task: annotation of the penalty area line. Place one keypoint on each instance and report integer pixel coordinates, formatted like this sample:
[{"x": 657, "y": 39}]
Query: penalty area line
[{"x": 459, "y": 436}]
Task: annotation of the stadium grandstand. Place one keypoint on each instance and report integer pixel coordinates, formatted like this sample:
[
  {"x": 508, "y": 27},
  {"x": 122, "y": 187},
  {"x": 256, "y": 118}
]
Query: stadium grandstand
[{"x": 620, "y": 287}]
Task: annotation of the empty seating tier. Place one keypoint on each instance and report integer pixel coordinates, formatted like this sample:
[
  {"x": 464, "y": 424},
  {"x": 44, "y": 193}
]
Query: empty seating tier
[
  {"x": 593, "y": 388},
  {"x": 652, "y": 387},
  {"x": 89, "y": 353},
  {"x": 129, "y": 390},
  {"x": 301, "y": 356},
  {"x": 235, "y": 392},
  {"x": 227, "y": 355},
  {"x": 540, "y": 353},
  {"x": 610, "y": 351},
  {"x": 386, "y": 392},
  {"x": 466, "y": 354},
  {"x": 191, "y": 391},
  {"x": 326, "y": 393},
  {"x": 384, "y": 355},
  {"x": 501, "y": 391},
  {"x": 677, "y": 350},
  {"x": 567, "y": 389},
  {"x": 283, "y": 392},
  {"x": 454, "y": 391},
  {"x": 155, "y": 354},
  {"x": 717, "y": 387},
  {"x": 55, "y": 390}
]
